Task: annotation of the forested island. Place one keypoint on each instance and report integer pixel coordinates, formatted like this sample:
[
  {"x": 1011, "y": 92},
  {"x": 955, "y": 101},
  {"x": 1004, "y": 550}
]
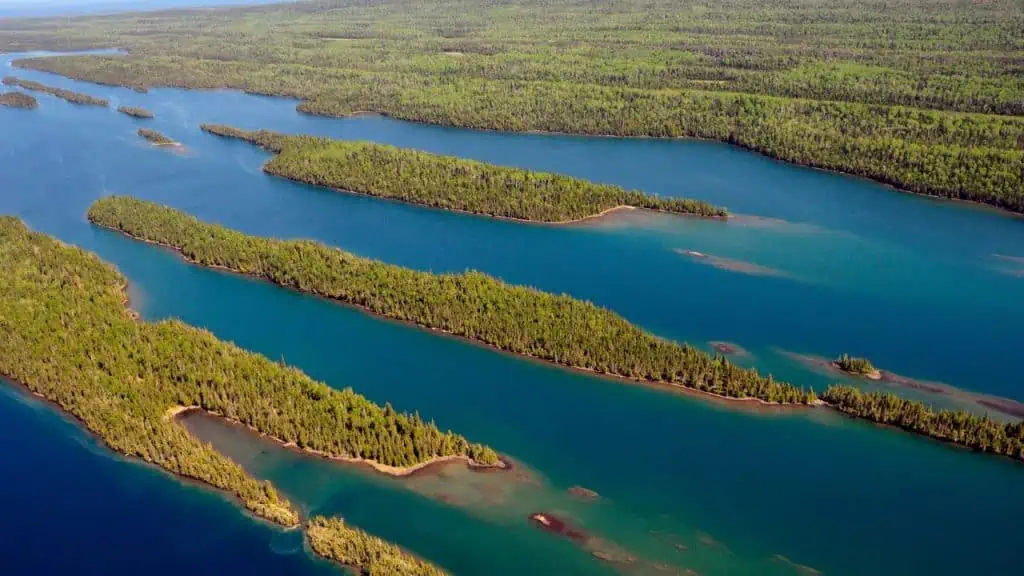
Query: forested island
[
  {"x": 448, "y": 182},
  {"x": 333, "y": 539},
  {"x": 135, "y": 112},
  {"x": 18, "y": 100},
  {"x": 516, "y": 319},
  {"x": 155, "y": 137},
  {"x": 67, "y": 336},
  {"x": 926, "y": 96},
  {"x": 73, "y": 97},
  {"x": 857, "y": 366}
]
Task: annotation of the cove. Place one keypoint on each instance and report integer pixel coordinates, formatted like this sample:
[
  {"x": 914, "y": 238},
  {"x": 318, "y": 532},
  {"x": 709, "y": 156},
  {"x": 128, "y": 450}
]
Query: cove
[{"x": 869, "y": 272}]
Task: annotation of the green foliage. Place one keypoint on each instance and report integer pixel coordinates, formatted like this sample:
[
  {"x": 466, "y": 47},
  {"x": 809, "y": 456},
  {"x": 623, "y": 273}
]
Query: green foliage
[
  {"x": 73, "y": 97},
  {"x": 66, "y": 334},
  {"x": 331, "y": 538},
  {"x": 922, "y": 94},
  {"x": 975, "y": 432},
  {"x": 155, "y": 137},
  {"x": 135, "y": 112},
  {"x": 447, "y": 182},
  {"x": 516, "y": 319},
  {"x": 854, "y": 365},
  {"x": 18, "y": 100}
]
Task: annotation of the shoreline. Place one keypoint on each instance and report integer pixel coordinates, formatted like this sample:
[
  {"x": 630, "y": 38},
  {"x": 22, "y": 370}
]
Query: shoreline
[
  {"x": 176, "y": 413},
  {"x": 22, "y": 388},
  {"x": 748, "y": 148},
  {"x": 658, "y": 384}
]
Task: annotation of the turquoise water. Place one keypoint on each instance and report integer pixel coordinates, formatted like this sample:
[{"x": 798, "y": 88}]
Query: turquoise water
[{"x": 912, "y": 283}]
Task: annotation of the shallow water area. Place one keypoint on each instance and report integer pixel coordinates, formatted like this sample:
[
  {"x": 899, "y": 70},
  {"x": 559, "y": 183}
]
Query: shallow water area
[{"x": 868, "y": 271}]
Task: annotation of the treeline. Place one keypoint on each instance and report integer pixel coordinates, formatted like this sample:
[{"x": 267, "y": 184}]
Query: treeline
[
  {"x": 926, "y": 96},
  {"x": 448, "y": 182},
  {"x": 516, "y": 319},
  {"x": 333, "y": 539},
  {"x": 73, "y": 97},
  {"x": 135, "y": 112},
  {"x": 66, "y": 334},
  {"x": 962, "y": 428},
  {"x": 155, "y": 137},
  {"x": 18, "y": 100}
]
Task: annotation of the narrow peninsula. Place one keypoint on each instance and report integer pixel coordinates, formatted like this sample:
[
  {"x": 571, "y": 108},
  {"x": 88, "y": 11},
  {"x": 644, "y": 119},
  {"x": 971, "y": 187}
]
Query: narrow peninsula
[
  {"x": 156, "y": 138},
  {"x": 68, "y": 337},
  {"x": 18, "y": 100},
  {"x": 450, "y": 183},
  {"x": 555, "y": 328},
  {"x": 516, "y": 319},
  {"x": 135, "y": 112},
  {"x": 73, "y": 97}
]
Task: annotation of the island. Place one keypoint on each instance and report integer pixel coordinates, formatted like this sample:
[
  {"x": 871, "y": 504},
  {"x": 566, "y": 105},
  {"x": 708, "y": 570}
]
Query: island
[
  {"x": 857, "y": 366},
  {"x": 333, "y": 539},
  {"x": 156, "y": 138},
  {"x": 68, "y": 338},
  {"x": 18, "y": 100},
  {"x": 557, "y": 329},
  {"x": 135, "y": 112},
  {"x": 73, "y": 97},
  {"x": 808, "y": 83},
  {"x": 448, "y": 182},
  {"x": 515, "y": 319}
]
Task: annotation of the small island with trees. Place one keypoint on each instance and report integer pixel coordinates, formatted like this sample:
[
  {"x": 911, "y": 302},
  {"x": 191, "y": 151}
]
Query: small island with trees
[
  {"x": 135, "y": 112},
  {"x": 156, "y": 138},
  {"x": 857, "y": 366},
  {"x": 450, "y": 183},
  {"x": 18, "y": 100},
  {"x": 70, "y": 96}
]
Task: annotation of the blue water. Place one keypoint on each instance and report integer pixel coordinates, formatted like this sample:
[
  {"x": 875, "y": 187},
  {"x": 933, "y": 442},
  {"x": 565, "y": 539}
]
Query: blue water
[{"x": 912, "y": 283}]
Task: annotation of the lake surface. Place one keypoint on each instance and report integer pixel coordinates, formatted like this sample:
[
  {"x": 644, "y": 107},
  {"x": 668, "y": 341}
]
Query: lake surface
[{"x": 846, "y": 265}]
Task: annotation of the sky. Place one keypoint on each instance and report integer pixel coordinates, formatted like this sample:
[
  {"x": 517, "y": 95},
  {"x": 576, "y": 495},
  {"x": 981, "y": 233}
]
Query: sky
[{"x": 12, "y": 8}]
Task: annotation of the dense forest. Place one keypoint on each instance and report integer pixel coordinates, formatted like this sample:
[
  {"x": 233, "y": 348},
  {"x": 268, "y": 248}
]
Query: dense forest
[
  {"x": 332, "y": 538},
  {"x": 73, "y": 97},
  {"x": 854, "y": 365},
  {"x": 155, "y": 137},
  {"x": 135, "y": 112},
  {"x": 926, "y": 95},
  {"x": 18, "y": 100},
  {"x": 517, "y": 319},
  {"x": 67, "y": 336},
  {"x": 447, "y": 182},
  {"x": 963, "y": 428}
]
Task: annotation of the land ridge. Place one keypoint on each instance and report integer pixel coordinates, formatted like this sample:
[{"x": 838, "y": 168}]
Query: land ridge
[{"x": 448, "y": 182}]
